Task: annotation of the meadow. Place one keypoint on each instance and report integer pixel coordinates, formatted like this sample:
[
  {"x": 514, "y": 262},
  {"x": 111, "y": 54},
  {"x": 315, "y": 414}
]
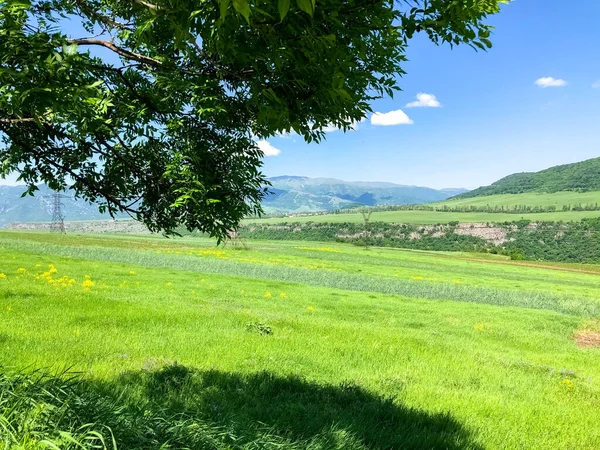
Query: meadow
[
  {"x": 432, "y": 217},
  {"x": 141, "y": 342},
  {"x": 558, "y": 199}
]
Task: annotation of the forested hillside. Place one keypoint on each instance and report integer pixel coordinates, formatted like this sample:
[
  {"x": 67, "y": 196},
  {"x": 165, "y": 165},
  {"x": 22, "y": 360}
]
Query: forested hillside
[{"x": 582, "y": 176}]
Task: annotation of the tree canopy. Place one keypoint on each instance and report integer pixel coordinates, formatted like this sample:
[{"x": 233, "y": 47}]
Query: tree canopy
[
  {"x": 153, "y": 107},
  {"x": 583, "y": 176}
]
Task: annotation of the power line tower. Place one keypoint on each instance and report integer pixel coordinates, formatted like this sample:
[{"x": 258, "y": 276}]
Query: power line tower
[{"x": 58, "y": 217}]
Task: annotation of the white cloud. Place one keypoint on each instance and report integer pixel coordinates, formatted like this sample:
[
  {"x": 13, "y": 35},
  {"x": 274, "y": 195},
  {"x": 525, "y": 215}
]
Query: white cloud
[
  {"x": 353, "y": 126},
  {"x": 397, "y": 117},
  {"x": 268, "y": 149},
  {"x": 550, "y": 82},
  {"x": 596, "y": 85},
  {"x": 330, "y": 128},
  {"x": 424, "y": 101}
]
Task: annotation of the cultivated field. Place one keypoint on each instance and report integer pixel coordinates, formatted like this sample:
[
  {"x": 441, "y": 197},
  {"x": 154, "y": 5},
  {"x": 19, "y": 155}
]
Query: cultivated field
[{"x": 289, "y": 345}]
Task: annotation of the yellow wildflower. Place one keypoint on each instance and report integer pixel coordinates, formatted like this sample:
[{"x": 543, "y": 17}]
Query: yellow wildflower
[
  {"x": 479, "y": 327},
  {"x": 267, "y": 294},
  {"x": 131, "y": 272},
  {"x": 77, "y": 332},
  {"x": 568, "y": 383},
  {"x": 38, "y": 265},
  {"x": 2, "y": 276},
  {"x": 169, "y": 284},
  {"x": 9, "y": 308},
  {"x": 310, "y": 308},
  {"x": 418, "y": 277},
  {"x": 87, "y": 284},
  {"x": 282, "y": 294},
  {"x": 21, "y": 270},
  {"x": 52, "y": 269}
]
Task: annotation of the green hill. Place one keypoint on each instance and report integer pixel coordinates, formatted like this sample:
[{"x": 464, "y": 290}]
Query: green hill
[
  {"x": 583, "y": 176},
  {"x": 533, "y": 199}
]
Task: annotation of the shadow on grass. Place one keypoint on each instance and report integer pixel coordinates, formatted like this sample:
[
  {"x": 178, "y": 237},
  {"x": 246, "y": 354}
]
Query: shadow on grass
[
  {"x": 176, "y": 408},
  {"x": 268, "y": 410}
]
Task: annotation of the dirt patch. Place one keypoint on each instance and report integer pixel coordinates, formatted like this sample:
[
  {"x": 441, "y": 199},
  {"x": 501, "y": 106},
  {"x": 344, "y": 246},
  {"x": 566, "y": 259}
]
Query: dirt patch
[
  {"x": 495, "y": 235},
  {"x": 587, "y": 338}
]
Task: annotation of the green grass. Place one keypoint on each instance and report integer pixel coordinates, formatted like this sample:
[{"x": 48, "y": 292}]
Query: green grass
[
  {"x": 557, "y": 199},
  {"x": 433, "y": 217},
  {"x": 370, "y": 349}
]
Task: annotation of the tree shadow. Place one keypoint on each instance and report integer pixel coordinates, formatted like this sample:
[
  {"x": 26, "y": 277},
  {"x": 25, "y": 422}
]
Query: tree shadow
[{"x": 213, "y": 409}]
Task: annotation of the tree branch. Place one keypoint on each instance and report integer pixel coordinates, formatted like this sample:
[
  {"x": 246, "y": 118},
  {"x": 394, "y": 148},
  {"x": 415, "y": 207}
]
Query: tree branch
[
  {"x": 146, "y": 4},
  {"x": 17, "y": 121},
  {"x": 106, "y": 20},
  {"x": 121, "y": 51}
]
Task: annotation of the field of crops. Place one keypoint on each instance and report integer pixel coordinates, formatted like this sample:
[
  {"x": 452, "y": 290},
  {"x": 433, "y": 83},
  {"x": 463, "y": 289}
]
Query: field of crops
[{"x": 287, "y": 345}]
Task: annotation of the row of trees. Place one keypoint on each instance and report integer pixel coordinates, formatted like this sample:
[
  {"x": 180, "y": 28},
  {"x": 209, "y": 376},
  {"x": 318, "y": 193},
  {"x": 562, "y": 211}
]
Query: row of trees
[{"x": 505, "y": 209}]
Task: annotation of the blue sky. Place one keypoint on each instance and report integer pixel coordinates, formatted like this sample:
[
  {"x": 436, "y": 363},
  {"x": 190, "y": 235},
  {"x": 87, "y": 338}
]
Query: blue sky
[{"x": 494, "y": 120}]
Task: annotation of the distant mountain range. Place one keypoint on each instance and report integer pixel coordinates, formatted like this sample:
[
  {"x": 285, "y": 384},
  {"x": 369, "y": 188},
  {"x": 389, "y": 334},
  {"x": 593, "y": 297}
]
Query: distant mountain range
[
  {"x": 14, "y": 208},
  {"x": 303, "y": 194},
  {"x": 289, "y": 194},
  {"x": 581, "y": 176}
]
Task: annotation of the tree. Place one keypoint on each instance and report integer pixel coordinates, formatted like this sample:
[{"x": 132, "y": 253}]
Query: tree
[{"x": 153, "y": 107}]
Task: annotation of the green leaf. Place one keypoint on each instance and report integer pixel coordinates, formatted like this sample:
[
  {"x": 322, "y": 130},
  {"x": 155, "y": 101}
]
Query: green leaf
[
  {"x": 284, "y": 7},
  {"x": 243, "y": 8},
  {"x": 306, "y": 5},
  {"x": 224, "y": 7}
]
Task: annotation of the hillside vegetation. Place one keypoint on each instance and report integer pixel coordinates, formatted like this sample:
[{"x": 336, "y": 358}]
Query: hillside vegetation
[
  {"x": 290, "y": 346},
  {"x": 545, "y": 241},
  {"x": 580, "y": 176}
]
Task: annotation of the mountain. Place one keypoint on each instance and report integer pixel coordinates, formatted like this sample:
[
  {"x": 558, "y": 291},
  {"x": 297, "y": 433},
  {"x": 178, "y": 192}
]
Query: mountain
[
  {"x": 14, "y": 208},
  {"x": 304, "y": 194},
  {"x": 454, "y": 191},
  {"x": 288, "y": 194},
  {"x": 581, "y": 176}
]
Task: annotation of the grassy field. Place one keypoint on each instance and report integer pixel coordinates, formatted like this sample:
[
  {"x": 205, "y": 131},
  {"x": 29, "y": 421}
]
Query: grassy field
[
  {"x": 557, "y": 199},
  {"x": 433, "y": 217},
  {"x": 293, "y": 346}
]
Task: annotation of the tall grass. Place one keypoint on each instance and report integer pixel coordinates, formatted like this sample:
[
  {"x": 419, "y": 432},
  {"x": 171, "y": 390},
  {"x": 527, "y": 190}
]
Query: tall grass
[
  {"x": 564, "y": 303},
  {"x": 178, "y": 408}
]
